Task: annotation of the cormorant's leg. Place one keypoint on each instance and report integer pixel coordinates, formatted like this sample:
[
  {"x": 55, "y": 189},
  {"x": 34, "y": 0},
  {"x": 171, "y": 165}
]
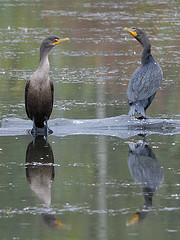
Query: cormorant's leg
[
  {"x": 33, "y": 130},
  {"x": 48, "y": 131},
  {"x": 36, "y": 131},
  {"x": 42, "y": 131}
]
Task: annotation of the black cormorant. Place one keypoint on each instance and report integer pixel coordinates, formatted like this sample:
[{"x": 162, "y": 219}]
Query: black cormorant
[
  {"x": 145, "y": 80},
  {"x": 39, "y": 89}
]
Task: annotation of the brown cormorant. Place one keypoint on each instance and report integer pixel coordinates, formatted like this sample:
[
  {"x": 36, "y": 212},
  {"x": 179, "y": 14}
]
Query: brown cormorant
[
  {"x": 145, "y": 80},
  {"x": 39, "y": 89}
]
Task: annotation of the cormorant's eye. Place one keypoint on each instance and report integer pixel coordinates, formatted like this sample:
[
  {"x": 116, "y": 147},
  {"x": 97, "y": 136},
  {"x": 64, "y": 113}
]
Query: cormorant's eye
[{"x": 56, "y": 41}]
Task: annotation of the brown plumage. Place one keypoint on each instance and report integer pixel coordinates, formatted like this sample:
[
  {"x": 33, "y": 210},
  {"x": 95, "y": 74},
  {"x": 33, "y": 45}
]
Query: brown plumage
[{"x": 39, "y": 88}]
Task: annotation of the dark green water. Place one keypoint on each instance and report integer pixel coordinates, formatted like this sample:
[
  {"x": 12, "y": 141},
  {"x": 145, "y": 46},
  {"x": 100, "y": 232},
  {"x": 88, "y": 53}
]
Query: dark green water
[{"x": 92, "y": 185}]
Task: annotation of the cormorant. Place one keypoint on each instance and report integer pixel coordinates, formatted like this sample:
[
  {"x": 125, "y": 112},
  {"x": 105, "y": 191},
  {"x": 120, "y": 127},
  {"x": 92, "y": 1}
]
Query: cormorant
[
  {"x": 145, "y": 80},
  {"x": 39, "y": 89}
]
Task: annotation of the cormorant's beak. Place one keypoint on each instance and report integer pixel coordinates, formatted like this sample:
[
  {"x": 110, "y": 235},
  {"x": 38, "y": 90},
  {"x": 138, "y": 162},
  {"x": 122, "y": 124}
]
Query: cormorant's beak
[
  {"x": 132, "y": 31},
  {"x": 57, "y": 41}
]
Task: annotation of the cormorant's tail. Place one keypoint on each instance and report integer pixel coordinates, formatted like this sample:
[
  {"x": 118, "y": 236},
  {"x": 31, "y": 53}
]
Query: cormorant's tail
[{"x": 135, "y": 108}]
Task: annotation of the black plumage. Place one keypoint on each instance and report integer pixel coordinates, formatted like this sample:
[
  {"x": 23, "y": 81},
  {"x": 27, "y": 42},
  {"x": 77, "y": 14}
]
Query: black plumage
[
  {"x": 39, "y": 89},
  {"x": 145, "y": 80}
]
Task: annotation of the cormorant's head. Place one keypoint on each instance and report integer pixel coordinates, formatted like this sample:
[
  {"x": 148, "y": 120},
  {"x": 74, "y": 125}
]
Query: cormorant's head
[
  {"x": 136, "y": 33},
  {"x": 52, "y": 41},
  {"x": 49, "y": 43}
]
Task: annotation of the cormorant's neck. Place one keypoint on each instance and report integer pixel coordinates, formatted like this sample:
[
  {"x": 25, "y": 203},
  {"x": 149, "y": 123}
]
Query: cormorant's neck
[
  {"x": 44, "y": 62},
  {"x": 146, "y": 56},
  {"x": 44, "y": 52}
]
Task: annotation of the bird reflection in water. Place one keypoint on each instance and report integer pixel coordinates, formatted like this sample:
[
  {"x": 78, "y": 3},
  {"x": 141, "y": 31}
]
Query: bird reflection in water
[
  {"x": 40, "y": 174},
  {"x": 145, "y": 169}
]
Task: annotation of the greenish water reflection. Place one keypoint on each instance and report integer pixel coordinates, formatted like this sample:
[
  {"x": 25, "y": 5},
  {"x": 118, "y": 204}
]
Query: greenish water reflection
[{"x": 93, "y": 194}]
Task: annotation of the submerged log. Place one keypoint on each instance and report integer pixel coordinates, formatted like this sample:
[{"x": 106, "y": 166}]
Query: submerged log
[{"x": 120, "y": 126}]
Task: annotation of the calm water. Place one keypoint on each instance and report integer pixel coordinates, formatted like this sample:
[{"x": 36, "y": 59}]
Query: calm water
[{"x": 88, "y": 186}]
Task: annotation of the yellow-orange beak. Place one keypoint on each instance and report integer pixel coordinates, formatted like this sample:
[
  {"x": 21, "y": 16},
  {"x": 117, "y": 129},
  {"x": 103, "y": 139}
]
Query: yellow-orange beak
[
  {"x": 57, "y": 41},
  {"x": 132, "y": 31}
]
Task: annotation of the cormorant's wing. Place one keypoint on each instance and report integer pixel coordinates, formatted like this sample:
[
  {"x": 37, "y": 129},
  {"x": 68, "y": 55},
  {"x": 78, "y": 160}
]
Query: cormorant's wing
[
  {"x": 144, "y": 82},
  {"x": 26, "y": 95},
  {"x": 52, "y": 91}
]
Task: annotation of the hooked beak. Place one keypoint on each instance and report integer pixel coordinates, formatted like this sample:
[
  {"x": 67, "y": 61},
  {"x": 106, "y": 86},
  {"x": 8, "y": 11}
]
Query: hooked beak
[
  {"x": 57, "y": 41},
  {"x": 132, "y": 31}
]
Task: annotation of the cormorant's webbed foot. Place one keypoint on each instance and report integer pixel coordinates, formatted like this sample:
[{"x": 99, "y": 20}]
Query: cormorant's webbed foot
[
  {"x": 141, "y": 117},
  {"x": 44, "y": 131},
  {"x": 138, "y": 116}
]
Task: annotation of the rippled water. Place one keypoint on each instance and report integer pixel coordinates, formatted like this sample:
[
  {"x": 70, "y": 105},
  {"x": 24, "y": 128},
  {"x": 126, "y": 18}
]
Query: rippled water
[
  {"x": 89, "y": 186},
  {"x": 93, "y": 193}
]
